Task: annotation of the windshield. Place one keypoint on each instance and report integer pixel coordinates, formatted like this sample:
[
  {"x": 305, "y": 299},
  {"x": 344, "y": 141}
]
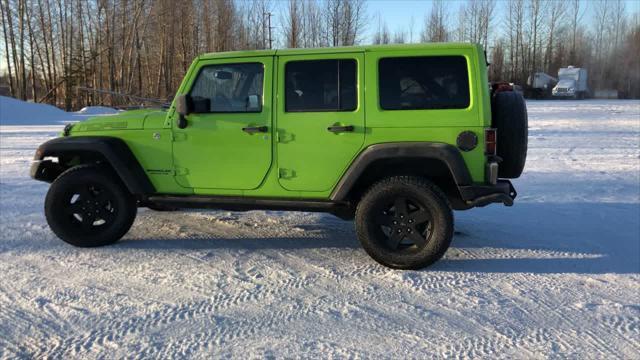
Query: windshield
[{"x": 566, "y": 83}]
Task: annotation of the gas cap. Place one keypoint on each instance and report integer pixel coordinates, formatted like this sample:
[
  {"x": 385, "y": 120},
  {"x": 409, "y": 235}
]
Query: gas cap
[{"x": 467, "y": 141}]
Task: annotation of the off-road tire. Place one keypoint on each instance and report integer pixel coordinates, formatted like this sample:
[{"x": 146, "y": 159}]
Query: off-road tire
[
  {"x": 509, "y": 117},
  {"x": 378, "y": 208},
  {"x": 88, "y": 206}
]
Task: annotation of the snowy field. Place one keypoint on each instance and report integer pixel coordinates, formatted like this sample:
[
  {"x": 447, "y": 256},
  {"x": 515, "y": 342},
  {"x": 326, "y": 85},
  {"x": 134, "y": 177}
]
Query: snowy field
[
  {"x": 18, "y": 112},
  {"x": 556, "y": 275}
]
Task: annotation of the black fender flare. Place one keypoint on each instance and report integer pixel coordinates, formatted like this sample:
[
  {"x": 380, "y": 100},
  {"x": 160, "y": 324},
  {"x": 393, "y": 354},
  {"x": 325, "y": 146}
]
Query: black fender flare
[
  {"x": 115, "y": 152},
  {"x": 446, "y": 153}
]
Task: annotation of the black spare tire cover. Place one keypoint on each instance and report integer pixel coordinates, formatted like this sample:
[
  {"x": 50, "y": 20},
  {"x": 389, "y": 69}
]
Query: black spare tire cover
[{"x": 509, "y": 117}]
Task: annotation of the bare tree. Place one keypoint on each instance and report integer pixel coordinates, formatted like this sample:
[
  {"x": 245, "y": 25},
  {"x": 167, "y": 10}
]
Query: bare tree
[
  {"x": 346, "y": 21},
  {"x": 435, "y": 27},
  {"x": 601, "y": 18},
  {"x": 497, "y": 67},
  {"x": 536, "y": 9},
  {"x": 575, "y": 13},
  {"x": 354, "y": 23},
  {"x": 256, "y": 24},
  {"x": 411, "y": 28},
  {"x": 630, "y": 85},
  {"x": 462, "y": 26},
  {"x": 618, "y": 22},
  {"x": 22, "y": 32},
  {"x": 556, "y": 10},
  {"x": 399, "y": 37},
  {"x": 474, "y": 21},
  {"x": 7, "y": 38},
  {"x": 515, "y": 26},
  {"x": 315, "y": 31},
  {"x": 381, "y": 36},
  {"x": 485, "y": 15},
  {"x": 293, "y": 25}
]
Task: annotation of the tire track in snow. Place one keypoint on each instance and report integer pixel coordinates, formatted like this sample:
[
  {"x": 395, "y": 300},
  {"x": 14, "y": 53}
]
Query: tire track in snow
[
  {"x": 570, "y": 319},
  {"x": 111, "y": 330},
  {"x": 227, "y": 329}
]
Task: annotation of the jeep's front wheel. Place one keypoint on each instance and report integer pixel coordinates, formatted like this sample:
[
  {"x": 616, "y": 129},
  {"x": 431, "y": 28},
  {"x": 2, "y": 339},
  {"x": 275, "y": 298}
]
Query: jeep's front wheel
[
  {"x": 88, "y": 206},
  {"x": 404, "y": 222}
]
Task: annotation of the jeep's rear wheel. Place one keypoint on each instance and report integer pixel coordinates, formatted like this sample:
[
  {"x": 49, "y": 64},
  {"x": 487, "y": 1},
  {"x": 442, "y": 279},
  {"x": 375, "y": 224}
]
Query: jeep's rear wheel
[
  {"x": 404, "y": 222},
  {"x": 87, "y": 206}
]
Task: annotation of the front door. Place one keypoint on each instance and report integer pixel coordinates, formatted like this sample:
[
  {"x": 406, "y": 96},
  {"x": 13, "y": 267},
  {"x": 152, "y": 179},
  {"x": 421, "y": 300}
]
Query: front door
[
  {"x": 320, "y": 118},
  {"x": 227, "y": 141}
]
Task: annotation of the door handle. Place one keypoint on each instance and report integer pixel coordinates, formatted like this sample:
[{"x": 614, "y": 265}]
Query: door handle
[
  {"x": 339, "y": 129},
  {"x": 255, "y": 129}
]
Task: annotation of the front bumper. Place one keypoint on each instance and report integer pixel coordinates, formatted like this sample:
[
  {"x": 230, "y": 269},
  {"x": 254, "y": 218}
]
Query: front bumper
[
  {"x": 45, "y": 170},
  {"x": 563, "y": 94},
  {"x": 482, "y": 195}
]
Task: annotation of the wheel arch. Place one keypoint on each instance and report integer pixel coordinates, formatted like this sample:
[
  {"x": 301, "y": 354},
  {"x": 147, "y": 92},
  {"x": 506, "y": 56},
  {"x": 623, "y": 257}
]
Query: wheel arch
[
  {"x": 77, "y": 150},
  {"x": 441, "y": 163}
]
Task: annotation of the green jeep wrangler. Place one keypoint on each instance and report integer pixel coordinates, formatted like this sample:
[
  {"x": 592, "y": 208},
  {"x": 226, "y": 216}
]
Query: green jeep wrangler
[{"x": 394, "y": 137}]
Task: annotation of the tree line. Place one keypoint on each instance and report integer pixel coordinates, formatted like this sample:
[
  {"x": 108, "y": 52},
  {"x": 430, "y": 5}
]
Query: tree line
[{"x": 74, "y": 53}]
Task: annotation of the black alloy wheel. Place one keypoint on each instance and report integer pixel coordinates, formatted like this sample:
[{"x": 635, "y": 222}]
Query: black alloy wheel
[
  {"x": 404, "y": 222},
  {"x": 89, "y": 206}
]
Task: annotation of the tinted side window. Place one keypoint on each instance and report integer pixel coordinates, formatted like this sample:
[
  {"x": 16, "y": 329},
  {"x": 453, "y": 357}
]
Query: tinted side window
[
  {"x": 229, "y": 87},
  {"x": 434, "y": 82},
  {"x": 321, "y": 85}
]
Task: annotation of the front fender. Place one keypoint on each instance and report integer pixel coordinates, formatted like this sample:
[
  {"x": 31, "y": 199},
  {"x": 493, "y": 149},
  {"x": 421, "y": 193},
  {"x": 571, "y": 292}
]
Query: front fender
[{"x": 112, "y": 150}]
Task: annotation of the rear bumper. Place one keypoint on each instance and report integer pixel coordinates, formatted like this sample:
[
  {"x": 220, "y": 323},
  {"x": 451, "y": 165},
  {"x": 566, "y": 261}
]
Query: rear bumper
[{"x": 482, "y": 195}]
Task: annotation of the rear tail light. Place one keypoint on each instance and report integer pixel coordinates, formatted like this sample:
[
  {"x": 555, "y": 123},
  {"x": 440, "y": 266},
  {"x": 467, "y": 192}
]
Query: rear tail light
[{"x": 491, "y": 142}]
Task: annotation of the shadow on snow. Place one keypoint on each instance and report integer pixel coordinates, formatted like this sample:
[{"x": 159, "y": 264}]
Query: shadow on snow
[{"x": 530, "y": 237}]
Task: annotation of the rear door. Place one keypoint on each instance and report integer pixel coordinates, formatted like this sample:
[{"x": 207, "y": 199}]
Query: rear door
[{"x": 320, "y": 118}]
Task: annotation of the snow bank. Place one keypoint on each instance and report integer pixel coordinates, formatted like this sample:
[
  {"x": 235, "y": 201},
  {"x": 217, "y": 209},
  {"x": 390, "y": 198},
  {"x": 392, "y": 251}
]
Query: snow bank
[
  {"x": 97, "y": 110},
  {"x": 18, "y": 112}
]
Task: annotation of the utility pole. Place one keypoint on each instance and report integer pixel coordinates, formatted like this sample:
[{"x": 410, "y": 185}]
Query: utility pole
[{"x": 268, "y": 15}]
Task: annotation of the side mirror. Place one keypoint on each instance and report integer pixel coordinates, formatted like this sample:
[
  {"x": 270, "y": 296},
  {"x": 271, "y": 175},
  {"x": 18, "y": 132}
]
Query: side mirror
[
  {"x": 182, "y": 108},
  {"x": 254, "y": 103}
]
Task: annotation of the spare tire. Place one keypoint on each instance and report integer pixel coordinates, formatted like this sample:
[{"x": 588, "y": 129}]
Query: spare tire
[{"x": 509, "y": 117}]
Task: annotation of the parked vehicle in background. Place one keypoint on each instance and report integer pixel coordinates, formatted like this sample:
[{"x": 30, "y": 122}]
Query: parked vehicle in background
[
  {"x": 394, "y": 136},
  {"x": 572, "y": 83},
  {"x": 540, "y": 85}
]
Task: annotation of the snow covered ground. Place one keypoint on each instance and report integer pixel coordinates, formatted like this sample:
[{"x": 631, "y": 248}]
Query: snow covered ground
[
  {"x": 18, "y": 112},
  {"x": 556, "y": 275}
]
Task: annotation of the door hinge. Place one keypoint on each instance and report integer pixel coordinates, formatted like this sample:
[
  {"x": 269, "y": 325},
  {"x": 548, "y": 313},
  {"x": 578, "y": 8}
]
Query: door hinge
[
  {"x": 181, "y": 171},
  {"x": 178, "y": 136},
  {"x": 284, "y": 137},
  {"x": 286, "y": 173}
]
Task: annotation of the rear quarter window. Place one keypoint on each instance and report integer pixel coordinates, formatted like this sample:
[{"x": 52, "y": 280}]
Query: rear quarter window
[{"x": 429, "y": 82}]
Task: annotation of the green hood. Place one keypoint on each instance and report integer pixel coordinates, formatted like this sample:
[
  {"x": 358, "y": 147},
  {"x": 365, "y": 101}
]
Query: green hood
[{"x": 126, "y": 120}]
